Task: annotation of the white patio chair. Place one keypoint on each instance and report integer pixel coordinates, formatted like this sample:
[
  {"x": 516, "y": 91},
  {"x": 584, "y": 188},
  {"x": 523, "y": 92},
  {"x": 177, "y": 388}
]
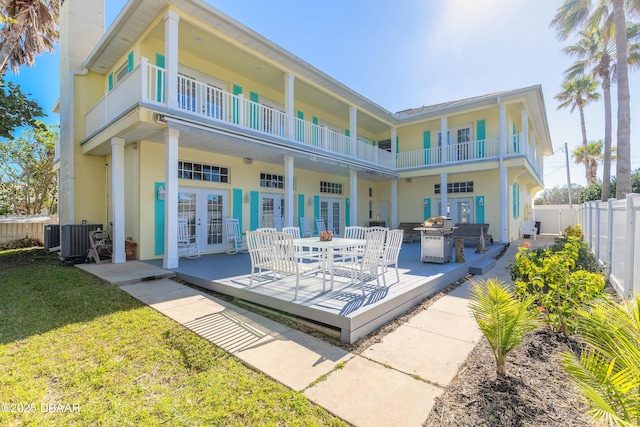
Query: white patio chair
[
  {"x": 320, "y": 225},
  {"x": 101, "y": 246},
  {"x": 278, "y": 223},
  {"x": 301, "y": 253},
  {"x": 353, "y": 232},
  {"x": 305, "y": 227},
  {"x": 235, "y": 242},
  {"x": 391, "y": 253},
  {"x": 367, "y": 265},
  {"x": 377, "y": 228},
  {"x": 528, "y": 228},
  {"x": 266, "y": 230},
  {"x": 187, "y": 244}
]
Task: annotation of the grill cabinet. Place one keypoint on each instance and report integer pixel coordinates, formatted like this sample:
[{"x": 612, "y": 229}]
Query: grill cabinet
[{"x": 436, "y": 242}]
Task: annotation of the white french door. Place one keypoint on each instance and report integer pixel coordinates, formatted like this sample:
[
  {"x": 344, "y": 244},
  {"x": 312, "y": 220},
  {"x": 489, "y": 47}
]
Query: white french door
[
  {"x": 204, "y": 209},
  {"x": 460, "y": 210},
  {"x": 271, "y": 208},
  {"x": 331, "y": 212}
]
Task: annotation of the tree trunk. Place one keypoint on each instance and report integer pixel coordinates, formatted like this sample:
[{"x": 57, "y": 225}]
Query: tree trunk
[
  {"x": 606, "y": 167},
  {"x": 623, "y": 164},
  {"x": 583, "y": 127}
]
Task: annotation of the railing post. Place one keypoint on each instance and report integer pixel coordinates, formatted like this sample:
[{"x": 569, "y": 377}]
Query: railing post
[
  {"x": 144, "y": 70},
  {"x": 630, "y": 241},
  {"x": 241, "y": 114},
  {"x": 609, "y": 236},
  {"x": 597, "y": 229}
]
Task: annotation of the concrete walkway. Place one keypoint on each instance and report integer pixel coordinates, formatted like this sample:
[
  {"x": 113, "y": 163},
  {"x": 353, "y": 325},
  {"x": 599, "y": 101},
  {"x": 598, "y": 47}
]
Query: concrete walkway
[{"x": 392, "y": 383}]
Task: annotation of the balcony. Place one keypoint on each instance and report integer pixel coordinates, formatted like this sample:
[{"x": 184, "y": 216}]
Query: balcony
[{"x": 210, "y": 103}]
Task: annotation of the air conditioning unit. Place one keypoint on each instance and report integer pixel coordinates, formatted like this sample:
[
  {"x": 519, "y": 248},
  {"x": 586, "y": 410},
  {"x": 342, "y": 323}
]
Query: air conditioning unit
[
  {"x": 74, "y": 239},
  {"x": 51, "y": 236}
]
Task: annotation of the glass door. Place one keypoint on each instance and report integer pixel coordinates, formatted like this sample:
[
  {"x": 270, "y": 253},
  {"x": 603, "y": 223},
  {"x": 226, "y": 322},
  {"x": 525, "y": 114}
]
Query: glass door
[
  {"x": 460, "y": 210},
  {"x": 204, "y": 209},
  {"x": 331, "y": 213},
  {"x": 271, "y": 210}
]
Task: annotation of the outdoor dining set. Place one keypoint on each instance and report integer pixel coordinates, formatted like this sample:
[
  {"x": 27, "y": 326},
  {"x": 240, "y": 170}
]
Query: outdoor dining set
[{"x": 362, "y": 253}]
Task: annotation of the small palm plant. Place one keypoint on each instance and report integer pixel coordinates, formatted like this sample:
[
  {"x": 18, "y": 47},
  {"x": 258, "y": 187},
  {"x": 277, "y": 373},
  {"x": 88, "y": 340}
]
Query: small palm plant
[
  {"x": 503, "y": 319},
  {"x": 608, "y": 370}
]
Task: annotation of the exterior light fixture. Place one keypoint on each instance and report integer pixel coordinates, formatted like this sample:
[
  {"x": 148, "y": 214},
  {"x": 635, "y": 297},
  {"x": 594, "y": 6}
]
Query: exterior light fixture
[
  {"x": 481, "y": 201},
  {"x": 161, "y": 192},
  {"x": 247, "y": 197}
]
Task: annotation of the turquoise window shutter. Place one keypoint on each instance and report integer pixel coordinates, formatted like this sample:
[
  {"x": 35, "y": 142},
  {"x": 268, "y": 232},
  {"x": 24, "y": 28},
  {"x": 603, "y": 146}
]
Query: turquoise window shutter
[
  {"x": 347, "y": 212},
  {"x": 237, "y": 205},
  {"x": 158, "y": 221},
  {"x": 254, "y": 113},
  {"x": 110, "y": 81},
  {"x": 480, "y": 202},
  {"x": 160, "y": 78},
  {"x": 300, "y": 206},
  {"x": 481, "y": 135},
  {"x": 426, "y": 144},
  {"x": 300, "y": 127},
  {"x": 316, "y": 210},
  {"x": 347, "y": 132},
  {"x": 316, "y": 131},
  {"x": 237, "y": 90},
  {"x": 427, "y": 208},
  {"x": 255, "y": 209},
  {"x": 130, "y": 62},
  {"x": 397, "y": 144}
]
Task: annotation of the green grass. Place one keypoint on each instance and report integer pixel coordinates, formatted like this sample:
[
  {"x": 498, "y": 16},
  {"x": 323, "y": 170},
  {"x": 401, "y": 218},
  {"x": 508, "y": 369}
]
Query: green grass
[{"x": 66, "y": 338}]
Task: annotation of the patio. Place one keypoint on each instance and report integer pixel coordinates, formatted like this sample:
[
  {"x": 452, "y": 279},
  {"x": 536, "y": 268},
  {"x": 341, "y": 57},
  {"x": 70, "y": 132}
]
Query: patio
[{"x": 342, "y": 308}]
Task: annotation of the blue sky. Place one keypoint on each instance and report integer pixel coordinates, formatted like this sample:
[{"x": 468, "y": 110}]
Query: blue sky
[{"x": 408, "y": 53}]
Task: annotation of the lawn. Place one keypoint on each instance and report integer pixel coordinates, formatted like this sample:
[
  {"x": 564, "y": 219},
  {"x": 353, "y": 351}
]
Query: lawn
[{"x": 75, "y": 352}]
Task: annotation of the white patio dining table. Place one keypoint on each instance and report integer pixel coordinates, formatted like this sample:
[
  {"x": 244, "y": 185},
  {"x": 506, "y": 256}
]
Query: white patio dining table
[{"x": 328, "y": 248}]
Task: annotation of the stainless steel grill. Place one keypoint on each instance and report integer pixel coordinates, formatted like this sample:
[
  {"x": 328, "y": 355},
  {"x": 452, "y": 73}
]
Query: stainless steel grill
[{"x": 436, "y": 243}]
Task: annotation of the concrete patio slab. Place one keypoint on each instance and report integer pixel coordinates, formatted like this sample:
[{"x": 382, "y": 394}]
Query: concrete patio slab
[
  {"x": 365, "y": 393},
  {"x": 127, "y": 272},
  {"x": 433, "y": 357},
  {"x": 293, "y": 358},
  {"x": 452, "y": 304},
  {"x": 463, "y": 328}
]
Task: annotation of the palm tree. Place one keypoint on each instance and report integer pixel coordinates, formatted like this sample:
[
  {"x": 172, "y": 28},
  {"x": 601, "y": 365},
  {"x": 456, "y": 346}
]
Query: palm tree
[
  {"x": 31, "y": 29},
  {"x": 595, "y": 156},
  {"x": 579, "y": 93},
  {"x": 574, "y": 15}
]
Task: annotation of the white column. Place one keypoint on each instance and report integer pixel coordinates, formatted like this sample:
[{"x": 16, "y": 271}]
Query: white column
[
  {"x": 170, "y": 259},
  {"x": 353, "y": 130},
  {"x": 444, "y": 140},
  {"x": 353, "y": 196},
  {"x": 443, "y": 194},
  {"x": 171, "y": 19},
  {"x": 117, "y": 199},
  {"x": 288, "y": 191},
  {"x": 394, "y": 204},
  {"x": 288, "y": 105},
  {"x": 394, "y": 138},
  {"x": 524, "y": 144},
  {"x": 504, "y": 194}
]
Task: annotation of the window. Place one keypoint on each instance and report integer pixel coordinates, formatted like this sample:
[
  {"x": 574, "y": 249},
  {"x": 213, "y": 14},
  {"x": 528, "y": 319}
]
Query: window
[
  {"x": 271, "y": 181},
  {"x": 122, "y": 72},
  {"x": 203, "y": 172},
  {"x": 330, "y": 187},
  {"x": 385, "y": 145},
  {"x": 456, "y": 187}
]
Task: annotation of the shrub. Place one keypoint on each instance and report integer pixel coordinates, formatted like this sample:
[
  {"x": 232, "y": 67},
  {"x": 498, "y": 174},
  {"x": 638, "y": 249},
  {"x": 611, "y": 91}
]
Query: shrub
[
  {"x": 557, "y": 289},
  {"x": 502, "y": 318},
  {"x": 586, "y": 260},
  {"x": 608, "y": 370}
]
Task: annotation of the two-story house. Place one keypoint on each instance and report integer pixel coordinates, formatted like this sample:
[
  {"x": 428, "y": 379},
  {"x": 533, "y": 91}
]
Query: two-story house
[{"x": 179, "y": 111}]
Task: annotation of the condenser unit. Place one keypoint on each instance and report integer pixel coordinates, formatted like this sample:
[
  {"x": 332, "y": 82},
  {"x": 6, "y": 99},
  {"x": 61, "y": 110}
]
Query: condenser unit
[
  {"x": 51, "y": 236},
  {"x": 74, "y": 239}
]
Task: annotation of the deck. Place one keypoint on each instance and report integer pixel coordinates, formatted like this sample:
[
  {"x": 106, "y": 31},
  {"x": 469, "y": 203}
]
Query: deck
[{"x": 343, "y": 308}]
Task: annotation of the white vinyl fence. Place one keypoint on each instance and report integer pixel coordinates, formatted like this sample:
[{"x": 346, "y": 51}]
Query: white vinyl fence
[
  {"x": 15, "y": 227},
  {"x": 554, "y": 219},
  {"x": 612, "y": 230}
]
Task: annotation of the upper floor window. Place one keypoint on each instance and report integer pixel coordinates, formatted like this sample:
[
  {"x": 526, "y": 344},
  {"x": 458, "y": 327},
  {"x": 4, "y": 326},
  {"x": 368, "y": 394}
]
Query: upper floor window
[
  {"x": 455, "y": 187},
  {"x": 202, "y": 172},
  {"x": 271, "y": 181},
  {"x": 122, "y": 72},
  {"x": 330, "y": 187}
]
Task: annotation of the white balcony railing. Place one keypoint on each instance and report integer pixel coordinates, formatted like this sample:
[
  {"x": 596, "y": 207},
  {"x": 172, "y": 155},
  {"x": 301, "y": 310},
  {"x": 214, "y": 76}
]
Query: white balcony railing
[{"x": 210, "y": 102}]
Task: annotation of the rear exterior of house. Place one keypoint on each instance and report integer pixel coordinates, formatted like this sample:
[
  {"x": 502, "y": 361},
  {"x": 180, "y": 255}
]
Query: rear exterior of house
[{"x": 178, "y": 111}]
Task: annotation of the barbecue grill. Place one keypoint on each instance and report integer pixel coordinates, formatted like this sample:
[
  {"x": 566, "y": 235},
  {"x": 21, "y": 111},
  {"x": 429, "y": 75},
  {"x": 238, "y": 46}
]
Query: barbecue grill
[{"x": 436, "y": 243}]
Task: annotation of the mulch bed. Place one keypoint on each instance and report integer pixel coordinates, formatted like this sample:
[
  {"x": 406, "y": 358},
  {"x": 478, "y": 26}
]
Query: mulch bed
[{"x": 535, "y": 392}]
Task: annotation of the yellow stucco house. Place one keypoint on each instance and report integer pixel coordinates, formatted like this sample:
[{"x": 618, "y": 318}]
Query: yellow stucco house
[{"x": 179, "y": 111}]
